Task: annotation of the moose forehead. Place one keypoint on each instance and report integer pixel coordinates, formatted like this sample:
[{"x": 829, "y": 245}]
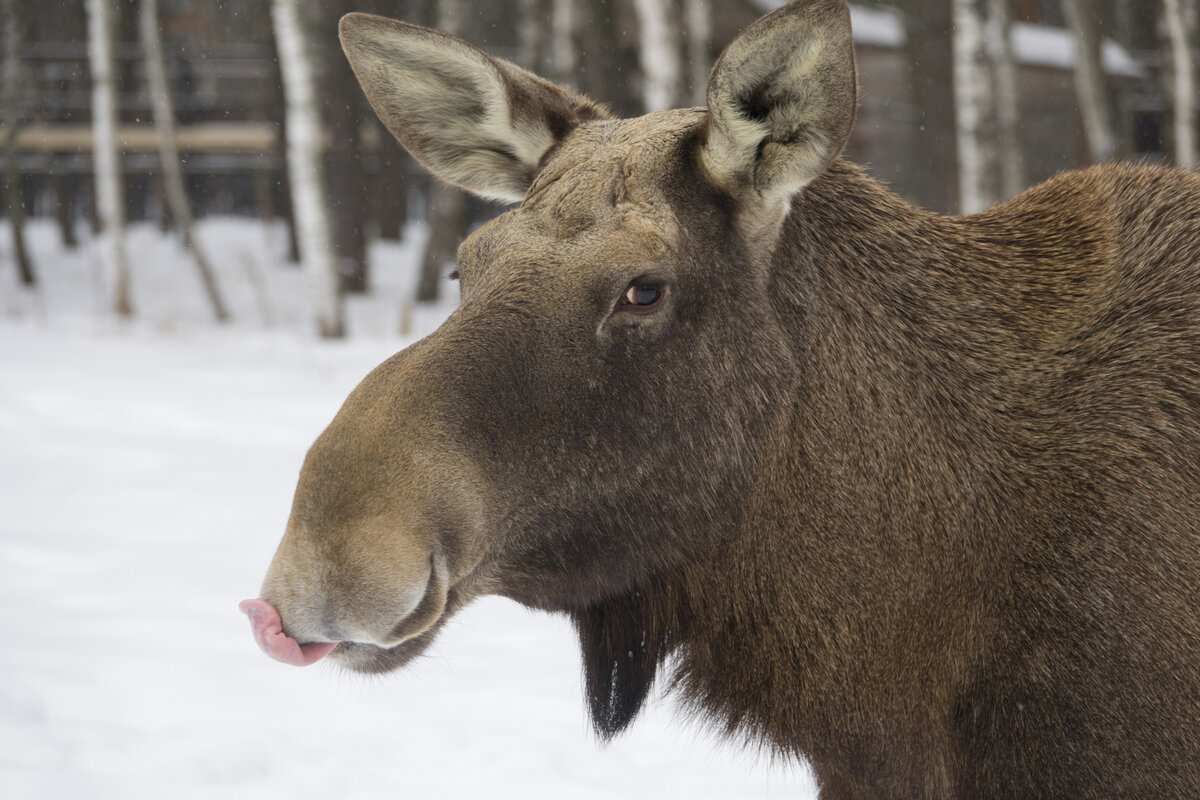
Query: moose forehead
[{"x": 611, "y": 188}]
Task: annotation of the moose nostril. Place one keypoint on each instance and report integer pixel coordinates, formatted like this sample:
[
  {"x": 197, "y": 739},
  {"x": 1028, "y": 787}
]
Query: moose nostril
[{"x": 331, "y": 631}]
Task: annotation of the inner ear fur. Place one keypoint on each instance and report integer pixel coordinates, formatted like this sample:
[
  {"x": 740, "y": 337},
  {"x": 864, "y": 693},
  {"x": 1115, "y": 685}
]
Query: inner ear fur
[
  {"x": 476, "y": 121},
  {"x": 782, "y": 100}
]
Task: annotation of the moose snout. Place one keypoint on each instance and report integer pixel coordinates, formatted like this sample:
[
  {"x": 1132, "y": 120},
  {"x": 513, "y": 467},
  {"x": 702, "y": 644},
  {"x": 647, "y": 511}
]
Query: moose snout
[
  {"x": 384, "y": 526},
  {"x": 315, "y": 596}
]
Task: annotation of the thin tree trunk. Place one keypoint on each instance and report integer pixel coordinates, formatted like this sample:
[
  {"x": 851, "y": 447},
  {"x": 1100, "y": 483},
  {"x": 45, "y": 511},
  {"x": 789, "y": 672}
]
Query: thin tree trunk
[
  {"x": 534, "y": 34},
  {"x": 309, "y": 200},
  {"x": 110, "y": 199},
  {"x": 345, "y": 177},
  {"x": 286, "y": 207},
  {"x": 64, "y": 188},
  {"x": 447, "y": 205},
  {"x": 1008, "y": 98},
  {"x": 392, "y": 184},
  {"x": 603, "y": 56},
  {"x": 1089, "y": 81},
  {"x": 974, "y": 108},
  {"x": 263, "y": 203},
  {"x": 698, "y": 16},
  {"x": 564, "y": 24},
  {"x": 158, "y": 191},
  {"x": 1124, "y": 16},
  {"x": 14, "y": 28},
  {"x": 168, "y": 153},
  {"x": 452, "y": 16},
  {"x": 447, "y": 227},
  {"x": 658, "y": 54},
  {"x": 276, "y": 103},
  {"x": 1183, "y": 83},
  {"x": 929, "y": 51}
]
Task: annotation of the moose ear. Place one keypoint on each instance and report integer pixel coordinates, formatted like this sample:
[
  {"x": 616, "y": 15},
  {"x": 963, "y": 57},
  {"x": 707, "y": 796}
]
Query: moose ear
[
  {"x": 781, "y": 100},
  {"x": 475, "y": 121}
]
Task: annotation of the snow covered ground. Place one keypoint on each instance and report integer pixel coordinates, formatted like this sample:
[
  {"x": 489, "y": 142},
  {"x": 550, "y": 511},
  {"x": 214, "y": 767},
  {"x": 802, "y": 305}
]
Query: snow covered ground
[{"x": 145, "y": 476}]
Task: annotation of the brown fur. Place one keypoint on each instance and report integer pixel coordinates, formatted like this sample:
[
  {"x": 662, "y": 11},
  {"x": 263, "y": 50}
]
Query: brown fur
[{"x": 915, "y": 497}]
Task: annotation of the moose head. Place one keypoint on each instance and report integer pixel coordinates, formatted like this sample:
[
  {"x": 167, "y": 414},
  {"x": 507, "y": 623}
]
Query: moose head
[
  {"x": 916, "y": 497},
  {"x": 595, "y": 410}
]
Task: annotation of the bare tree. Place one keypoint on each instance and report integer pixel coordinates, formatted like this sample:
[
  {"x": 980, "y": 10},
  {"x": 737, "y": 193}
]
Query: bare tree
[
  {"x": 1007, "y": 97},
  {"x": 974, "y": 103},
  {"x": 346, "y": 179},
  {"x": 448, "y": 219},
  {"x": 1089, "y": 80},
  {"x": 13, "y": 36},
  {"x": 659, "y": 54},
  {"x": 698, "y": 19},
  {"x": 110, "y": 195},
  {"x": 534, "y": 33},
  {"x": 309, "y": 195},
  {"x": 605, "y": 47},
  {"x": 1183, "y": 82},
  {"x": 168, "y": 152},
  {"x": 929, "y": 53},
  {"x": 391, "y": 184},
  {"x": 564, "y": 27},
  {"x": 276, "y": 108}
]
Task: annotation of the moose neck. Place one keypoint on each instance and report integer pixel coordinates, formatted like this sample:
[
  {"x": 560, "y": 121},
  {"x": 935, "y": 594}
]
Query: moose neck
[
  {"x": 879, "y": 465},
  {"x": 782, "y": 634}
]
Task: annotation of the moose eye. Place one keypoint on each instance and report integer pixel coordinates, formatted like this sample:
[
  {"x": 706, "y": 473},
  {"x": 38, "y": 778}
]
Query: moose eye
[{"x": 641, "y": 295}]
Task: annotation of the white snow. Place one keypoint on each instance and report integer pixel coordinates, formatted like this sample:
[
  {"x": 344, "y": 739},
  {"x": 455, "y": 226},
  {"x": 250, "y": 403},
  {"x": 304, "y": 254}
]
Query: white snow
[
  {"x": 145, "y": 476},
  {"x": 1055, "y": 47},
  {"x": 882, "y": 27}
]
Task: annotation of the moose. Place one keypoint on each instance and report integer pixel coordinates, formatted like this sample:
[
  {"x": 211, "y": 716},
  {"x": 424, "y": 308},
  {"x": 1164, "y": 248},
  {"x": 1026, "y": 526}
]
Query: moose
[{"x": 913, "y": 497}]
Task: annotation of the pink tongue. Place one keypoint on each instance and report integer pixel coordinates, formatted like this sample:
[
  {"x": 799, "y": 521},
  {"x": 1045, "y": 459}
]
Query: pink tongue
[{"x": 268, "y": 632}]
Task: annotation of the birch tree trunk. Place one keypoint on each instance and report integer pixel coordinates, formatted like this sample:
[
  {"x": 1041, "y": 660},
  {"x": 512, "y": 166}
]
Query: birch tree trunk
[
  {"x": 658, "y": 54},
  {"x": 1007, "y": 97},
  {"x": 1183, "y": 83},
  {"x": 13, "y": 35},
  {"x": 1089, "y": 81},
  {"x": 310, "y": 202},
  {"x": 168, "y": 152},
  {"x": 110, "y": 195},
  {"x": 275, "y": 105},
  {"x": 974, "y": 108}
]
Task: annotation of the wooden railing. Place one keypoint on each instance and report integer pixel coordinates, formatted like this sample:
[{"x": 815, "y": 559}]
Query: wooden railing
[{"x": 201, "y": 137}]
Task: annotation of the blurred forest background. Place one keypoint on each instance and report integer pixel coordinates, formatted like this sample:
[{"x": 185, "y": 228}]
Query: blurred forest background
[{"x": 165, "y": 111}]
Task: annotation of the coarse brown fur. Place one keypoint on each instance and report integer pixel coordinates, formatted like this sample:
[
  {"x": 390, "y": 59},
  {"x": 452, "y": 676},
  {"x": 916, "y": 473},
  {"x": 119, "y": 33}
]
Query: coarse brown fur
[{"x": 914, "y": 497}]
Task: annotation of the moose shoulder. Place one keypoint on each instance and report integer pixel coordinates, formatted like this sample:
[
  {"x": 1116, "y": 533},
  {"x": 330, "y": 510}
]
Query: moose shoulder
[{"x": 914, "y": 497}]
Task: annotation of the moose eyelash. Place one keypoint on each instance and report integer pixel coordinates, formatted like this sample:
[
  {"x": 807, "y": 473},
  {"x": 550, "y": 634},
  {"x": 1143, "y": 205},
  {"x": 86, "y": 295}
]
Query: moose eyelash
[{"x": 453, "y": 275}]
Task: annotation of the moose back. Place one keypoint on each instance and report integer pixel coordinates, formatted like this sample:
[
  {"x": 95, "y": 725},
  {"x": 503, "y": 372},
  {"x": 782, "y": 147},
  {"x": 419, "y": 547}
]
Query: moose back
[{"x": 914, "y": 497}]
